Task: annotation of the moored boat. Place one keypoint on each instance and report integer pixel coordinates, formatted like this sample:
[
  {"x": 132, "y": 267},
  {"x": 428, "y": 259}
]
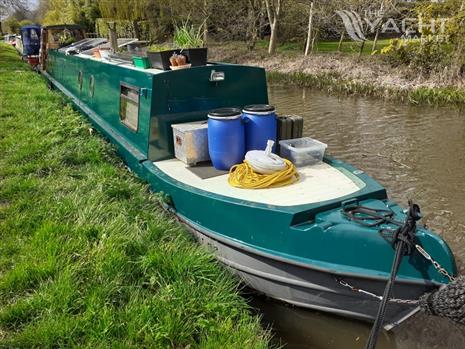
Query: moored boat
[{"x": 312, "y": 244}]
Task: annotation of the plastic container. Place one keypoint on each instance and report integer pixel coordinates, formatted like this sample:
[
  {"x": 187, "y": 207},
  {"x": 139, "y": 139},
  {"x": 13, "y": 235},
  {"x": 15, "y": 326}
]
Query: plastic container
[
  {"x": 197, "y": 56},
  {"x": 226, "y": 138},
  {"x": 161, "y": 59},
  {"x": 260, "y": 126},
  {"x": 303, "y": 151},
  {"x": 105, "y": 53},
  {"x": 191, "y": 142},
  {"x": 141, "y": 62}
]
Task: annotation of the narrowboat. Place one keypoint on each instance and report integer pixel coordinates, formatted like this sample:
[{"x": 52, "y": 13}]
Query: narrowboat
[
  {"x": 28, "y": 44},
  {"x": 303, "y": 244}
]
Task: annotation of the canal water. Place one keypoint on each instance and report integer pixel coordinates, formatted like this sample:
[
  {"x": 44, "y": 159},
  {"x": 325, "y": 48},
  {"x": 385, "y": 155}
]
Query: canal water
[{"x": 416, "y": 153}]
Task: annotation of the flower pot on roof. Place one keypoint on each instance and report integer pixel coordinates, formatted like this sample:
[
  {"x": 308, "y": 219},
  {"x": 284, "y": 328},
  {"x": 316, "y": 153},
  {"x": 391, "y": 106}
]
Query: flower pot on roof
[
  {"x": 159, "y": 56},
  {"x": 189, "y": 40}
]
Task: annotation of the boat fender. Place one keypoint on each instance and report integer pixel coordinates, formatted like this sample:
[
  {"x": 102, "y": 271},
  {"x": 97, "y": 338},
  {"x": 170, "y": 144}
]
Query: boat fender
[
  {"x": 264, "y": 161},
  {"x": 448, "y": 301}
]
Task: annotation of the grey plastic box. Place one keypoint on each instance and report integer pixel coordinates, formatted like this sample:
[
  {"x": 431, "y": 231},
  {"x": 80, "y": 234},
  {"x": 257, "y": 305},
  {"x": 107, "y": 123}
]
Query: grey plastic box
[{"x": 303, "y": 151}]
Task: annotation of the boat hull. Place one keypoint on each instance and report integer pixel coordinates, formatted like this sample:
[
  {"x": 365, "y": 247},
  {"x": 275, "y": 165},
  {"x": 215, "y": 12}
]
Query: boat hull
[
  {"x": 295, "y": 253},
  {"x": 309, "y": 287}
]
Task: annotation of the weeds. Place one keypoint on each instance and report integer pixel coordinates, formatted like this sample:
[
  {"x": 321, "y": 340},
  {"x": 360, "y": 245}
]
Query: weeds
[
  {"x": 333, "y": 83},
  {"x": 87, "y": 259}
]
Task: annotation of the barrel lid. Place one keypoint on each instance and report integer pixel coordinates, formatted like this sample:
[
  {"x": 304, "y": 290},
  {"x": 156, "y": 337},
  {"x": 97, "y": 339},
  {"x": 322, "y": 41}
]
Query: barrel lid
[
  {"x": 225, "y": 113},
  {"x": 259, "y": 108}
]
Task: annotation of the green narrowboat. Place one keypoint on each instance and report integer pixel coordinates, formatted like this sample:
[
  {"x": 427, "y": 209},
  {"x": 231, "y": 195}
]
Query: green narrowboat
[{"x": 298, "y": 243}]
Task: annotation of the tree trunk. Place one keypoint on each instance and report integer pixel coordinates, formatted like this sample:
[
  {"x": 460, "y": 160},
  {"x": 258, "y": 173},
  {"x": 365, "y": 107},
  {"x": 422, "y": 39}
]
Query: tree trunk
[
  {"x": 339, "y": 46},
  {"x": 375, "y": 40},
  {"x": 273, "y": 37},
  {"x": 314, "y": 41},
  {"x": 273, "y": 10},
  {"x": 362, "y": 46},
  {"x": 205, "y": 23},
  {"x": 136, "y": 30},
  {"x": 309, "y": 33},
  {"x": 252, "y": 30},
  {"x": 113, "y": 36}
]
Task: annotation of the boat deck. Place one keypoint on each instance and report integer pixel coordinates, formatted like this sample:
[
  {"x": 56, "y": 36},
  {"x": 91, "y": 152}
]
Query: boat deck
[{"x": 317, "y": 183}]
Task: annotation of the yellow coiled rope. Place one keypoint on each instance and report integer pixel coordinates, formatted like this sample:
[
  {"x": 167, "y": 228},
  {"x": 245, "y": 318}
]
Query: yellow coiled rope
[{"x": 244, "y": 176}]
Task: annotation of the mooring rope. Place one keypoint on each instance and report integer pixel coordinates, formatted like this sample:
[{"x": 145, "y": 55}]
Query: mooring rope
[{"x": 402, "y": 241}]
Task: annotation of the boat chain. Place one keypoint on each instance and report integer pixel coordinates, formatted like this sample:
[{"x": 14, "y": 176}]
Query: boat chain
[{"x": 427, "y": 256}]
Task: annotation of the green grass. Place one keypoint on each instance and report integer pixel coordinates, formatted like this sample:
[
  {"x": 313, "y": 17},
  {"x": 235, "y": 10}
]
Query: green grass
[
  {"x": 87, "y": 257},
  {"x": 347, "y": 47}
]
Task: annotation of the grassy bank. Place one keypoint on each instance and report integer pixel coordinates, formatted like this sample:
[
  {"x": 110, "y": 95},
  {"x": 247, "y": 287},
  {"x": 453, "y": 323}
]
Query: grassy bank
[
  {"x": 343, "y": 72},
  {"x": 87, "y": 258}
]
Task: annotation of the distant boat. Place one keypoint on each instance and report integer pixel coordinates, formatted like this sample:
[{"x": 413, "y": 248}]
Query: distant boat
[{"x": 302, "y": 244}]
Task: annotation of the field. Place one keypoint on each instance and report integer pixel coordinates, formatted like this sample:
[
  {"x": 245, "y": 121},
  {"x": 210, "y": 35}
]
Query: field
[
  {"x": 347, "y": 47},
  {"x": 88, "y": 259}
]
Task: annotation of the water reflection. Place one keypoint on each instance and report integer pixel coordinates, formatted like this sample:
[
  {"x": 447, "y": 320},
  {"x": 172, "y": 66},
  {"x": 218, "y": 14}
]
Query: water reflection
[{"x": 416, "y": 153}]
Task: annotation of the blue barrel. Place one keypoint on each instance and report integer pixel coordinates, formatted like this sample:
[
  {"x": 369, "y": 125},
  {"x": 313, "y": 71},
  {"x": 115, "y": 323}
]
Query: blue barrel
[
  {"x": 226, "y": 137},
  {"x": 260, "y": 126}
]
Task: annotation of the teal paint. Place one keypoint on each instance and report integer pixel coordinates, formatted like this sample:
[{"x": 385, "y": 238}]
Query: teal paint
[{"x": 317, "y": 235}]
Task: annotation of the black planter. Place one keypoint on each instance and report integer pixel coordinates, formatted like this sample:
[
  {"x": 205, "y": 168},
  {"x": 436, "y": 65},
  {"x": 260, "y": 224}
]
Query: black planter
[
  {"x": 196, "y": 56},
  {"x": 161, "y": 60}
]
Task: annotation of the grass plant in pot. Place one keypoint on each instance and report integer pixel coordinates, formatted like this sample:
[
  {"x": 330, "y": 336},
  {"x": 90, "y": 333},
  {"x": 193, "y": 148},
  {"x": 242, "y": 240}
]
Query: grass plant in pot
[
  {"x": 189, "y": 40},
  {"x": 159, "y": 56}
]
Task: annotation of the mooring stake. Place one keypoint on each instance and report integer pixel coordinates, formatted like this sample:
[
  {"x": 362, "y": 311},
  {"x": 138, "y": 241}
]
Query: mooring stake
[{"x": 403, "y": 241}]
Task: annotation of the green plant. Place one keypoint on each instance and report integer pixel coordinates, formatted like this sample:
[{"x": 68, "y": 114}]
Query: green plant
[
  {"x": 187, "y": 36},
  {"x": 159, "y": 47}
]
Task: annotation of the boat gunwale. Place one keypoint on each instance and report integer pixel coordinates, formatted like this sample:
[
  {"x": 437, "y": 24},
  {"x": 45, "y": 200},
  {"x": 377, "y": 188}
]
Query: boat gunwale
[{"x": 254, "y": 250}]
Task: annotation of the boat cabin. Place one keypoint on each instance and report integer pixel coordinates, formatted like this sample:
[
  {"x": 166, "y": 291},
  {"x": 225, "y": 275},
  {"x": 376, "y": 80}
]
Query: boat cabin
[
  {"x": 30, "y": 38},
  {"x": 140, "y": 106}
]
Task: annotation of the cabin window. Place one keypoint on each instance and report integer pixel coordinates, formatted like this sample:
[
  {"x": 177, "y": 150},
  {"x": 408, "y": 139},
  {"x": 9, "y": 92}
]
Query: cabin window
[
  {"x": 80, "y": 80},
  {"x": 129, "y": 106},
  {"x": 91, "y": 86},
  {"x": 34, "y": 35}
]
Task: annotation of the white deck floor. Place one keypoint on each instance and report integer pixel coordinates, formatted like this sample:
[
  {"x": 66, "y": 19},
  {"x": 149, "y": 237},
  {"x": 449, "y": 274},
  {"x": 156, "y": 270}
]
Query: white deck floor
[{"x": 317, "y": 183}]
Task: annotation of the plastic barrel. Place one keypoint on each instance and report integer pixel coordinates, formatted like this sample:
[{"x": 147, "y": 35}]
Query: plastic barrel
[
  {"x": 260, "y": 126},
  {"x": 226, "y": 137}
]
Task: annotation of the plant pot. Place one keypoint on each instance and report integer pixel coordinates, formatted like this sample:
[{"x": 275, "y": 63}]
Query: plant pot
[
  {"x": 196, "y": 56},
  {"x": 161, "y": 60},
  {"x": 96, "y": 53},
  {"x": 141, "y": 62}
]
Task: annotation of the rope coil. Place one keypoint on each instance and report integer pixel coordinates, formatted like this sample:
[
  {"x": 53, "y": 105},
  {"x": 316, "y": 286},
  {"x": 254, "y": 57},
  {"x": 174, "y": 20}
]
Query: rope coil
[{"x": 244, "y": 176}]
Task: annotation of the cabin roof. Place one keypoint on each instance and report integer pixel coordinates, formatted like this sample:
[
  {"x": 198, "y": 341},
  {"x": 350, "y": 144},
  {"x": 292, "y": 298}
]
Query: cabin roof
[{"x": 32, "y": 26}]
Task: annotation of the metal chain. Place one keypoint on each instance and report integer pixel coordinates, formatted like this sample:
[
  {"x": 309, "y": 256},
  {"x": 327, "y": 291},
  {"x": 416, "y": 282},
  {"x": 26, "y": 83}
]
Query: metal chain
[
  {"x": 393, "y": 300},
  {"x": 438, "y": 266},
  {"x": 427, "y": 256}
]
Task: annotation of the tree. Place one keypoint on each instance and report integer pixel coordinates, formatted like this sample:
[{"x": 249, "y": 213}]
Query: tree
[
  {"x": 11, "y": 25},
  {"x": 273, "y": 11},
  {"x": 309, "y": 33},
  {"x": 7, "y": 7}
]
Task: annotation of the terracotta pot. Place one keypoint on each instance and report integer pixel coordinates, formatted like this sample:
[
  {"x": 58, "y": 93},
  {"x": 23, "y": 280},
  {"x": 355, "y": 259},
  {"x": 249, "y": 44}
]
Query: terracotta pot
[{"x": 96, "y": 53}]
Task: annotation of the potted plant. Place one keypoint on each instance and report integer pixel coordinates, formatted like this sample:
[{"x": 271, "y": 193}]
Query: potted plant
[
  {"x": 190, "y": 41},
  {"x": 159, "y": 56}
]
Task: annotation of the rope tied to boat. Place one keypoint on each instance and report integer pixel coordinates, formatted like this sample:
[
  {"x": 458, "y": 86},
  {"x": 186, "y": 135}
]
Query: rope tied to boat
[{"x": 403, "y": 241}]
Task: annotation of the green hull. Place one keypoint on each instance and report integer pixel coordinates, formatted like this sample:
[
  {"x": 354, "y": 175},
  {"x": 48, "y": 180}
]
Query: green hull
[{"x": 315, "y": 236}]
